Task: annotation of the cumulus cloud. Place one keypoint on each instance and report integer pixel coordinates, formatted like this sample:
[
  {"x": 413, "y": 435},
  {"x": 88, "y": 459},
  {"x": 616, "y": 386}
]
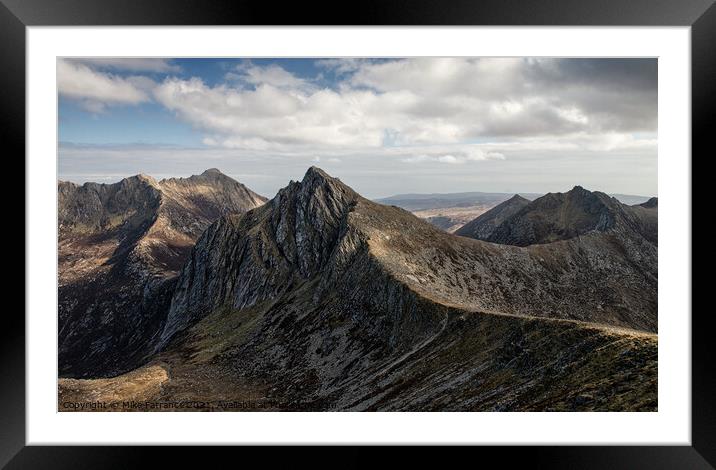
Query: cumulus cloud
[
  {"x": 525, "y": 96},
  {"x": 94, "y": 90},
  {"x": 409, "y": 102},
  {"x": 273, "y": 118}
]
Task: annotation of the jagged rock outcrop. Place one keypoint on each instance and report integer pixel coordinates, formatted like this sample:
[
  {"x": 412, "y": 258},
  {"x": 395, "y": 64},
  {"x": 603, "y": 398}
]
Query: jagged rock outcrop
[
  {"x": 483, "y": 226},
  {"x": 120, "y": 247},
  {"x": 301, "y": 237},
  {"x": 245, "y": 260}
]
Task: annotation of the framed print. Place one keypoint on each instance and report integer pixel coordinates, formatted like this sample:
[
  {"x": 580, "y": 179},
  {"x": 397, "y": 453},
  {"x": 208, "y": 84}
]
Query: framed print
[{"x": 408, "y": 227}]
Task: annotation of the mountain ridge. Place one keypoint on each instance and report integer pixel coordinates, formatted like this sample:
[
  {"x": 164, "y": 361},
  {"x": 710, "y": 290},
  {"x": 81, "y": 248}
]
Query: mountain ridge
[
  {"x": 120, "y": 246},
  {"x": 322, "y": 299},
  {"x": 335, "y": 294},
  {"x": 561, "y": 216}
]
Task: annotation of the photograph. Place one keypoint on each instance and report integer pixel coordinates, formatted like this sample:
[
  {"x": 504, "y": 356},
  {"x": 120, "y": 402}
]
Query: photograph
[
  {"x": 249, "y": 227},
  {"x": 357, "y": 234}
]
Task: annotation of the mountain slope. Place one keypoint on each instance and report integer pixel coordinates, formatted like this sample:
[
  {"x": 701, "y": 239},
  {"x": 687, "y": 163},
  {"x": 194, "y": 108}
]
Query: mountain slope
[
  {"x": 120, "y": 247},
  {"x": 323, "y": 297},
  {"x": 483, "y": 226},
  {"x": 652, "y": 203}
]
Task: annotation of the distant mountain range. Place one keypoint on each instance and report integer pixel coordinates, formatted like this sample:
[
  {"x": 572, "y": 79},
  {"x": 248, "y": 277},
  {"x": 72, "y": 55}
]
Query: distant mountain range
[
  {"x": 320, "y": 299},
  {"x": 419, "y": 201}
]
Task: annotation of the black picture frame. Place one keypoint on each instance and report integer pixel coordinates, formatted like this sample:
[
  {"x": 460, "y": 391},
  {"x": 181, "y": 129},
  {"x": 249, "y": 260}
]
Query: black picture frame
[{"x": 16, "y": 15}]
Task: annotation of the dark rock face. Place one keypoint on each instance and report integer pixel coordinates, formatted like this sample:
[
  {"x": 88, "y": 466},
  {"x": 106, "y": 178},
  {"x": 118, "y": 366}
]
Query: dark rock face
[
  {"x": 246, "y": 260},
  {"x": 482, "y": 227},
  {"x": 120, "y": 248},
  {"x": 300, "y": 237},
  {"x": 107, "y": 322}
]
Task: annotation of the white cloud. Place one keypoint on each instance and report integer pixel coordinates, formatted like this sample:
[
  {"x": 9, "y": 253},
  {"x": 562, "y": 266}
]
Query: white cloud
[
  {"x": 272, "y": 75},
  {"x": 410, "y": 102},
  {"x": 448, "y": 159},
  {"x": 516, "y": 96},
  {"x": 94, "y": 90},
  {"x": 461, "y": 154},
  {"x": 273, "y": 118}
]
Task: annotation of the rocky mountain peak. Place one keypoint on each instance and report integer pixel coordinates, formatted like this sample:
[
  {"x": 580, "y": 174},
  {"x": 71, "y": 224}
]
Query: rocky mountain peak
[
  {"x": 120, "y": 246},
  {"x": 288, "y": 241},
  {"x": 318, "y": 190},
  {"x": 139, "y": 180},
  {"x": 213, "y": 173},
  {"x": 314, "y": 171},
  {"x": 559, "y": 216},
  {"x": 579, "y": 192},
  {"x": 577, "y": 198},
  {"x": 315, "y": 177},
  {"x": 518, "y": 198},
  {"x": 306, "y": 217}
]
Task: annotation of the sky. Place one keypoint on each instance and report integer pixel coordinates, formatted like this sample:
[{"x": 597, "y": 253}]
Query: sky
[{"x": 383, "y": 126}]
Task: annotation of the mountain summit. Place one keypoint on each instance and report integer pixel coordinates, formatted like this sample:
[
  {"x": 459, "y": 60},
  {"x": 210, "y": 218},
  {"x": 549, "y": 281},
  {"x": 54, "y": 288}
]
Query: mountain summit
[
  {"x": 120, "y": 246},
  {"x": 562, "y": 216}
]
